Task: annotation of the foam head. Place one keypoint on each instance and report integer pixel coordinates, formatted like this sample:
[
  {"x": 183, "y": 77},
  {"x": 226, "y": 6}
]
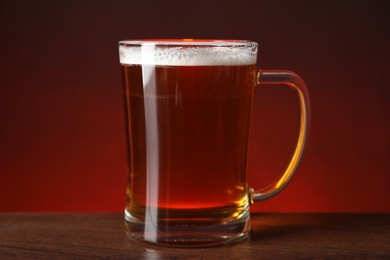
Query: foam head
[{"x": 188, "y": 53}]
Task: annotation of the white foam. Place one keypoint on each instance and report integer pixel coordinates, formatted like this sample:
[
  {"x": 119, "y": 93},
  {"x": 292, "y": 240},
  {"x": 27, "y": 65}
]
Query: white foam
[{"x": 178, "y": 54}]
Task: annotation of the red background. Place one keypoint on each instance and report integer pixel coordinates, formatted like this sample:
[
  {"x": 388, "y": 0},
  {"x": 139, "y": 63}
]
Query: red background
[{"x": 62, "y": 139}]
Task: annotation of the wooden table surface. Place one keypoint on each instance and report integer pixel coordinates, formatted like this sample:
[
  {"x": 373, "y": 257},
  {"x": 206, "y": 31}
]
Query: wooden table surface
[{"x": 79, "y": 236}]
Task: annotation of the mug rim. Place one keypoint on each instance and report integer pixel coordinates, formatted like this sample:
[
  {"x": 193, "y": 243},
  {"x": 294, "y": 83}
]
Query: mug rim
[
  {"x": 189, "y": 42},
  {"x": 187, "y": 52}
]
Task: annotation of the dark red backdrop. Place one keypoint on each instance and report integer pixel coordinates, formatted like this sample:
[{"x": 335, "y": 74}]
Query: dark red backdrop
[{"x": 62, "y": 141}]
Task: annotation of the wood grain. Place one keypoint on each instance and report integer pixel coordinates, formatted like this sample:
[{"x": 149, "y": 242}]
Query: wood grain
[{"x": 86, "y": 236}]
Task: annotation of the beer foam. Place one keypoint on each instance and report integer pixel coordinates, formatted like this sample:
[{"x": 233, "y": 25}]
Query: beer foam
[{"x": 171, "y": 54}]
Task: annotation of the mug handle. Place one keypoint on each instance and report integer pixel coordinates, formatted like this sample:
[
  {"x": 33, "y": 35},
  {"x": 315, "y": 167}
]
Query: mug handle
[{"x": 292, "y": 80}]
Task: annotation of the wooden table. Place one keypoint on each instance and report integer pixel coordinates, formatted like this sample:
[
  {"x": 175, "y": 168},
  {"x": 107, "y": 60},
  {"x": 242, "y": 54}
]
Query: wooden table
[{"x": 75, "y": 236}]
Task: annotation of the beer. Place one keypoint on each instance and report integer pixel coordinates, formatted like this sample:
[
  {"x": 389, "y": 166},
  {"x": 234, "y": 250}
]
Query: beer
[{"x": 187, "y": 125}]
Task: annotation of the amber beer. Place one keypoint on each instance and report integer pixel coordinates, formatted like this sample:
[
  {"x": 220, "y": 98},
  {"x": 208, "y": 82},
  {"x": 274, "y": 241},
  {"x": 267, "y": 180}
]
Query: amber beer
[
  {"x": 188, "y": 134},
  {"x": 187, "y": 122}
]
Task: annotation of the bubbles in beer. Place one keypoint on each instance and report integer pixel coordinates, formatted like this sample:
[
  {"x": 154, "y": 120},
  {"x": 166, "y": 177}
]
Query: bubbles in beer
[{"x": 191, "y": 55}]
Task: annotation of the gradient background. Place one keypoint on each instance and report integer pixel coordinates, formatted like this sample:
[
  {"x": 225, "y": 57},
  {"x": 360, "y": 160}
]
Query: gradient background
[{"x": 62, "y": 139}]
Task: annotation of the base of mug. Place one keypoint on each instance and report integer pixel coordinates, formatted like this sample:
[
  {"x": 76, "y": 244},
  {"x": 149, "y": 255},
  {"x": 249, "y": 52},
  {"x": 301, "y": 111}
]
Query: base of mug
[{"x": 189, "y": 233}]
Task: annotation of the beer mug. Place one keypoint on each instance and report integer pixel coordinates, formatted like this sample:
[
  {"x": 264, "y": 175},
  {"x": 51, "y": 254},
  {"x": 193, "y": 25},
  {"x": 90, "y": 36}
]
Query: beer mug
[{"x": 187, "y": 116}]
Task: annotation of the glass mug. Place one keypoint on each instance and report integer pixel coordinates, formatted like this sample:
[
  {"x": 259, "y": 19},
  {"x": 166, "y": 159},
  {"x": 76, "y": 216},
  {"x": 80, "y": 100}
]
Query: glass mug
[{"x": 187, "y": 110}]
